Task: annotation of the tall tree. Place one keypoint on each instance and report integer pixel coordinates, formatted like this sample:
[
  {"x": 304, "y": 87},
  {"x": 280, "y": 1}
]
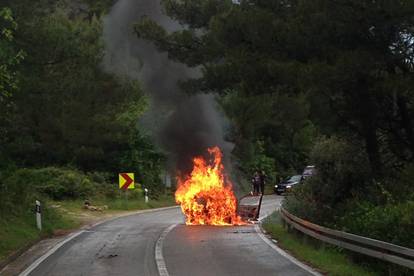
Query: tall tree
[
  {"x": 355, "y": 56},
  {"x": 10, "y": 57},
  {"x": 67, "y": 109}
]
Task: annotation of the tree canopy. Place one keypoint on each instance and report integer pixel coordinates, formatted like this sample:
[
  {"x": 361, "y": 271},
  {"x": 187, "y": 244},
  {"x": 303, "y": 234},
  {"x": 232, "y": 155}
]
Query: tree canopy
[
  {"x": 351, "y": 59},
  {"x": 64, "y": 109}
]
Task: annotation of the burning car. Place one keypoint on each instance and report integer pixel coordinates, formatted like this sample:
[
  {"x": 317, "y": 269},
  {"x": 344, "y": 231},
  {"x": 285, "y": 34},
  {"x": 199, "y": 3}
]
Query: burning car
[{"x": 206, "y": 195}]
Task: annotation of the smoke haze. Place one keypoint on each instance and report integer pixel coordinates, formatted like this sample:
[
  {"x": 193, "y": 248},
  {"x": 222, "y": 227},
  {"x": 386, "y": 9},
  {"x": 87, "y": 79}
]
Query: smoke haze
[{"x": 183, "y": 125}]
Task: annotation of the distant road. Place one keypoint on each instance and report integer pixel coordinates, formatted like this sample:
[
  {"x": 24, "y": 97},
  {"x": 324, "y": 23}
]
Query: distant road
[{"x": 127, "y": 246}]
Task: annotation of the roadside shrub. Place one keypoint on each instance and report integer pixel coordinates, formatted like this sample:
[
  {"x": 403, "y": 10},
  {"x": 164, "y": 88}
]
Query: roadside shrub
[
  {"x": 146, "y": 161},
  {"x": 136, "y": 194},
  {"x": 55, "y": 183},
  {"x": 393, "y": 223},
  {"x": 342, "y": 173},
  {"x": 342, "y": 196},
  {"x": 15, "y": 196},
  {"x": 402, "y": 186}
]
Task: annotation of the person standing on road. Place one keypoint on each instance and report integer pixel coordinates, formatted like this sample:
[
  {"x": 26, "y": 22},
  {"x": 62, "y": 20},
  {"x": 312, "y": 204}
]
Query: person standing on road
[{"x": 256, "y": 182}]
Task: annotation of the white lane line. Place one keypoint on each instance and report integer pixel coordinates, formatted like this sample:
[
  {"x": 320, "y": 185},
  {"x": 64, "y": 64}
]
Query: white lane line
[
  {"x": 284, "y": 253},
  {"x": 34, "y": 265},
  {"x": 159, "y": 258}
]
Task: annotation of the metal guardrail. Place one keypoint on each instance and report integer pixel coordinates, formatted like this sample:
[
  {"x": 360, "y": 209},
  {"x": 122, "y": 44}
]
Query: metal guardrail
[{"x": 382, "y": 250}]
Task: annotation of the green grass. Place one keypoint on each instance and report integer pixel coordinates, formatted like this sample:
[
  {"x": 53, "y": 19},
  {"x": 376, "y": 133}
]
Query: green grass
[
  {"x": 20, "y": 230},
  {"x": 16, "y": 233},
  {"x": 328, "y": 259},
  {"x": 119, "y": 204}
]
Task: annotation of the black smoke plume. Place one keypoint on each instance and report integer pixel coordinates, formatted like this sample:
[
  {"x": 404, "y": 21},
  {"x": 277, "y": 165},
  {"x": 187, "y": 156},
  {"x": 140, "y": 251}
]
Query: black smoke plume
[{"x": 183, "y": 125}]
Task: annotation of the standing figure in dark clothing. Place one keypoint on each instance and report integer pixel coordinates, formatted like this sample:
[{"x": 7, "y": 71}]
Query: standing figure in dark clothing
[{"x": 256, "y": 182}]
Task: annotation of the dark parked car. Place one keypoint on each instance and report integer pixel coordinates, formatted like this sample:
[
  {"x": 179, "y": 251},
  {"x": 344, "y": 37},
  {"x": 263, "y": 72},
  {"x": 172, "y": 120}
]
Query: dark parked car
[
  {"x": 308, "y": 172},
  {"x": 287, "y": 184}
]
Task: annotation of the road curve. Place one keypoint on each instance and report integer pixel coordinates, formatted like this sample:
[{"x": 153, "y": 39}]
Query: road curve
[{"x": 126, "y": 246}]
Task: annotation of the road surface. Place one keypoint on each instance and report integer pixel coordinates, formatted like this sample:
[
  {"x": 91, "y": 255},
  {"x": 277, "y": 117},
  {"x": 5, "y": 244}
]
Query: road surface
[{"x": 126, "y": 246}]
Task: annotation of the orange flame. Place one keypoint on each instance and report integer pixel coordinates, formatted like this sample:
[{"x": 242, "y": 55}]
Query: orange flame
[{"x": 206, "y": 195}]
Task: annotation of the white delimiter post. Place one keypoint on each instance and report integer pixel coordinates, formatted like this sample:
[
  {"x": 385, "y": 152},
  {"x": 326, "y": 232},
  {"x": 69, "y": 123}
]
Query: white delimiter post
[
  {"x": 38, "y": 215},
  {"x": 146, "y": 195}
]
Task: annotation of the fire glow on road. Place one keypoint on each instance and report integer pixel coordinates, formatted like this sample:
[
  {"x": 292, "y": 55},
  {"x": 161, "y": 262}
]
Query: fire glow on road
[{"x": 206, "y": 195}]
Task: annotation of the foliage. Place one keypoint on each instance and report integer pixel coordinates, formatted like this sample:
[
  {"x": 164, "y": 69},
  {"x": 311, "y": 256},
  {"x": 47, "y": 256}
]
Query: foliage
[
  {"x": 9, "y": 57},
  {"x": 339, "y": 198},
  {"x": 67, "y": 128},
  {"x": 9, "y": 60},
  {"x": 67, "y": 110},
  {"x": 24, "y": 185},
  {"x": 290, "y": 71},
  {"x": 260, "y": 161},
  {"x": 147, "y": 163},
  {"x": 97, "y": 7},
  {"x": 341, "y": 175},
  {"x": 278, "y": 122},
  {"x": 15, "y": 197},
  {"x": 20, "y": 231},
  {"x": 353, "y": 60},
  {"x": 392, "y": 222}
]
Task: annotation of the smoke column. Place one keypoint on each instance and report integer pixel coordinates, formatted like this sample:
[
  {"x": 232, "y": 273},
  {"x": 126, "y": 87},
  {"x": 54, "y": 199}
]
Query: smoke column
[{"x": 183, "y": 125}]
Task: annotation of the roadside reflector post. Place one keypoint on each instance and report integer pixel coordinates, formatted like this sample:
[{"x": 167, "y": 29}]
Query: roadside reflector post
[
  {"x": 146, "y": 195},
  {"x": 38, "y": 215}
]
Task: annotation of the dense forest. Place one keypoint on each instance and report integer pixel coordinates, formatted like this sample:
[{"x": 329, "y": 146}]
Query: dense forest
[
  {"x": 327, "y": 83},
  {"x": 67, "y": 127}
]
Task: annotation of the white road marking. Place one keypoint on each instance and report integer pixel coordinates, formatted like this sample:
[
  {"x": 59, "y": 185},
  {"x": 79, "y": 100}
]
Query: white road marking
[
  {"x": 36, "y": 263},
  {"x": 159, "y": 258},
  {"x": 284, "y": 253},
  {"x": 33, "y": 266}
]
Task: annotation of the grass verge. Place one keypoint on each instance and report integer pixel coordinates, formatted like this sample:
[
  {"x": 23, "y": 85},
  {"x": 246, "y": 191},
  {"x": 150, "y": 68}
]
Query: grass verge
[
  {"x": 327, "y": 259},
  {"x": 19, "y": 230}
]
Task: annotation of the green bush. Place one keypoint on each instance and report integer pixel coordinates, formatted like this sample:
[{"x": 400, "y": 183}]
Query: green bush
[
  {"x": 401, "y": 187},
  {"x": 54, "y": 183},
  {"x": 342, "y": 195},
  {"x": 15, "y": 195},
  {"x": 146, "y": 161},
  {"x": 342, "y": 173},
  {"x": 393, "y": 223}
]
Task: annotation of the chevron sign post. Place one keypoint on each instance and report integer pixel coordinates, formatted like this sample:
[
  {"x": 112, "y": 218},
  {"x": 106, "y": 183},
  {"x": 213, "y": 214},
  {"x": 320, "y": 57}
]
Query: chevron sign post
[{"x": 126, "y": 181}]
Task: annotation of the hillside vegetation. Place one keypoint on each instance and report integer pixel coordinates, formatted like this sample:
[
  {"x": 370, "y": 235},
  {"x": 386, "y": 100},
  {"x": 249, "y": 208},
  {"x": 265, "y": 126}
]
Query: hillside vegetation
[
  {"x": 67, "y": 128},
  {"x": 324, "y": 83}
]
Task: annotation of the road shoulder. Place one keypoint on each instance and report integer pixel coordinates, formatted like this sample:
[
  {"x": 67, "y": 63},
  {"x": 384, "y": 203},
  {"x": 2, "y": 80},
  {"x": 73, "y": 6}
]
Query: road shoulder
[
  {"x": 273, "y": 244},
  {"x": 41, "y": 248}
]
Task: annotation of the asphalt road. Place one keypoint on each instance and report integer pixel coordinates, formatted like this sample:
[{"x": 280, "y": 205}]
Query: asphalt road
[{"x": 126, "y": 246}]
